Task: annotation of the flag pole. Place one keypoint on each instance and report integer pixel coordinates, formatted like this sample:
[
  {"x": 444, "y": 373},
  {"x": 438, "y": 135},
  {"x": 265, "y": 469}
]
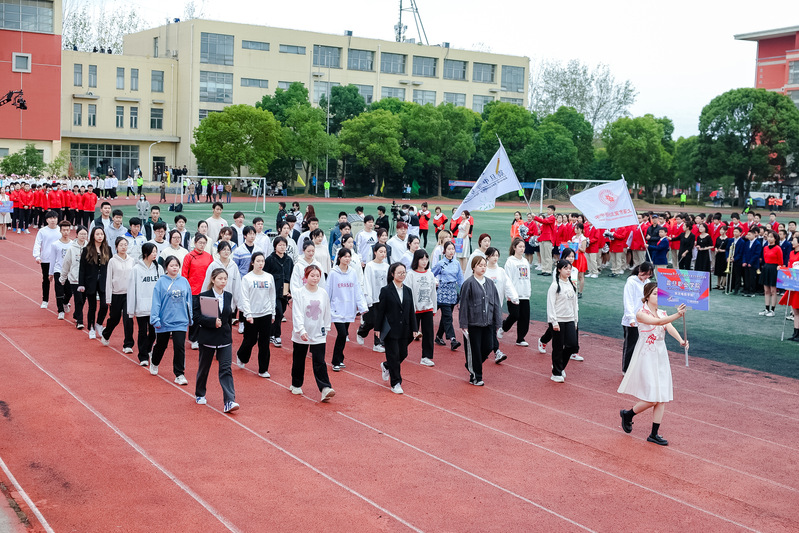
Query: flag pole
[
  {"x": 646, "y": 249},
  {"x": 685, "y": 338},
  {"x": 524, "y": 194},
  {"x": 787, "y": 305}
]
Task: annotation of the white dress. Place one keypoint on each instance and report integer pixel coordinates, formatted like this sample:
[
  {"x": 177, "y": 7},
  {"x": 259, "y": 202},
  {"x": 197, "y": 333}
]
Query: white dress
[
  {"x": 463, "y": 233},
  {"x": 5, "y": 218},
  {"x": 648, "y": 377}
]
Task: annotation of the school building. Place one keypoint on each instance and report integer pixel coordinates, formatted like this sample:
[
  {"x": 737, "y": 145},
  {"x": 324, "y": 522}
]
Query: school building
[{"x": 777, "y": 60}]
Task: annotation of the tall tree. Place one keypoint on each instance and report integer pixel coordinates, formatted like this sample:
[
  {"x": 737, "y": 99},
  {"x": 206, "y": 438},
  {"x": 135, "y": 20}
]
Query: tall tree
[
  {"x": 461, "y": 125},
  {"x": 27, "y": 161},
  {"x": 688, "y": 165},
  {"x": 514, "y": 125},
  {"x": 582, "y": 134},
  {"x": 86, "y": 26},
  {"x": 374, "y": 139},
  {"x": 284, "y": 99},
  {"x": 750, "y": 134},
  {"x": 551, "y": 153},
  {"x": 305, "y": 139},
  {"x": 345, "y": 103},
  {"x": 238, "y": 136}
]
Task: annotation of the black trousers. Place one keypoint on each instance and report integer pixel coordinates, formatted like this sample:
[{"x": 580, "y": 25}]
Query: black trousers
[
  {"x": 445, "y": 324},
  {"x": 564, "y": 344},
  {"x": 91, "y": 300},
  {"x": 281, "y": 303},
  {"x": 77, "y": 314},
  {"x": 194, "y": 329},
  {"x": 425, "y": 321},
  {"x": 519, "y": 314},
  {"x": 45, "y": 281},
  {"x": 737, "y": 274},
  {"x": 62, "y": 292},
  {"x": 396, "y": 353},
  {"x": 547, "y": 336},
  {"x": 146, "y": 337},
  {"x": 342, "y": 330},
  {"x": 750, "y": 279},
  {"x": 257, "y": 332},
  {"x": 224, "y": 356},
  {"x": 178, "y": 350},
  {"x": 317, "y": 362},
  {"x": 367, "y": 325},
  {"x": 423, "y": 235},
  {"x": 119, "y": 305},
  {"x": 630, "y": 338},
  {"x": 129, "y": 192},
  {"x": 479, "y": 345}
]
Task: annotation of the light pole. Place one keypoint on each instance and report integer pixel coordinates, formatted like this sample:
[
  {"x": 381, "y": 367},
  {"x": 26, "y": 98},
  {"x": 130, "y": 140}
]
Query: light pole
[
  {"x": 327, "y": 128},
  {"x": 150, "y": 159}
]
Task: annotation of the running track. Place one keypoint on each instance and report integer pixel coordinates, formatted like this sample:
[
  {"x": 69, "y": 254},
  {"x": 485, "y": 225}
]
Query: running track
[{"x": 94, "y": 443}]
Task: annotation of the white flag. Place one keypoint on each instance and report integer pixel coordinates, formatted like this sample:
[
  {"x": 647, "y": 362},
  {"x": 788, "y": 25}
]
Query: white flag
[
  {"x": 607, "y": 205},
  {"x": 497, "y": 179}
]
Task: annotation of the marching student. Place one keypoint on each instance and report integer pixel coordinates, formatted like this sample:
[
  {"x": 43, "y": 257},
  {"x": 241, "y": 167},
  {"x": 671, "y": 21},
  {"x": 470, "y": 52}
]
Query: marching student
[
  {"x": 171, "y": 315},
  {"x": 438, "y": 251},
  {"x": 224, "y": 261},
  {"x": 686, "y": 244},
  {"x": 407, "y": 257},
  {"x": 242, "y": 255},
  {"x": 311, "y": 317},
  {"x": 394, "y": 315},
  {"x": 772, "y": 260},
  {"x": 506, "y": 291},
  {"x": 91, "y": 279},
  {"x": 43, "y": 251},
  {"x": 479, "y": 317},
  {"x": 135, "y": 238},
  {"x": 215, "y": 338},
  {"x": 280, "y": 265},
  {"x": 225, "y": 235},
  {"x": 348, "y": 242},
  {"x": 193, "y": 270},
  {"x": 320, "y": 251},
  {"x": 58, "y": 252},
  {"x": 483, "y": 242},
  {"x": 464, "y": 227},
  {"x": 382, "y": 238},
  {"x": 174, "y": 249},
  {"x": 580, "y": 263},
  {"x": 422, "y": 283},
  {"x": 518, "y": 271},
  {"x": 374, "y": 279},
  {"x": 143, "y": 207},
  {"x": 70, "y": 272},
  {"x": 141, "y": 285},
  {"x": 562, "y": 314},
  {"x": 346, "y": 301},
  {"x": 449, "y": 275},
  {"x": 284, "y": 229},
  {"x": 216, "y": 222},
  {"x": 366, "y": 239},
  {"x": 155, "y": 218},
  {"x": 648, "y": 377},
  {"x": 399, "y": 242},
  {"x": 633, "y": 300},
  {"x": 117, "y": 282},
  {"x": 257, "y": 302},
  {"x": 659, "y": 250},
  {"x": 159, "y": 230}
]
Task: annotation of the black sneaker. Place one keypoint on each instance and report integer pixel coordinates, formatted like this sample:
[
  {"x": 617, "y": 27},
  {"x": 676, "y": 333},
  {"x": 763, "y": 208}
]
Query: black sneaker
[
  {"x": 440, "y": 341},
  {"x": 79, "y": 325},
  {"x": 626, "y": 423},
  {"x": 657, "y": 439},
  {"x": 455, "y": 345}
]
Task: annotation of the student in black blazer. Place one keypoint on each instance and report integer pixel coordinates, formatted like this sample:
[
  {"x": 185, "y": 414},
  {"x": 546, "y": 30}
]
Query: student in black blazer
[
  {"x": 395, "y": 316},
  {"x": 214, "y": 336}
]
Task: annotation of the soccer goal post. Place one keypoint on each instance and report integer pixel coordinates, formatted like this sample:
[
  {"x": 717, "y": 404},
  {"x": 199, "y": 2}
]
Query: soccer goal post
[
  {"x": 559, "y": 190},
  {"x": 254, "y": 186}
]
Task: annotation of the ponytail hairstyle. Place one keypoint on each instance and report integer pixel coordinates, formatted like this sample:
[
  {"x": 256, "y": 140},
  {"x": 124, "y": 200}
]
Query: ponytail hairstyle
[
  {"x": 417, "y": 256},
  {"x": 341, "y": 253},
  {"x": 252, "y": 259},
  {"x": 411, "y": 238},
  {"x": 214, "y": 273},
  {"x": 648, "y": 288},
  {"x": 562, "y": 263},
  {"x": 146, "y": 249},
  {"x": 391, "y": 270},
  {"x": 346, "y": 238},
  {"x": 306, "y": 243},
  {"x": 376, "y": 247},
  {"x": 645, "y": 267},
  {"x": 513, "y": 245}
]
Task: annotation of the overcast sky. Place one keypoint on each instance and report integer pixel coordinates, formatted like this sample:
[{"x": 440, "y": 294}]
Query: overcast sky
[{"x": 678, "y": 55}]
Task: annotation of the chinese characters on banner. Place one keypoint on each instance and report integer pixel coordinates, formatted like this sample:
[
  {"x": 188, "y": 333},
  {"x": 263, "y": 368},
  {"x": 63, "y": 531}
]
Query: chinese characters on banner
[{"x": 687, "y": 287}]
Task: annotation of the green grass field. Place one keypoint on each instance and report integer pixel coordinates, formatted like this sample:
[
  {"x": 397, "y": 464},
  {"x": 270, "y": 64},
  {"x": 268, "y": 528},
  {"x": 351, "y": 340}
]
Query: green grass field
[{"x": 731, "y": 332}]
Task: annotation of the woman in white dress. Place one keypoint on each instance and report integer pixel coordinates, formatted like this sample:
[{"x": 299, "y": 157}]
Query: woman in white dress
[
  {"x": 463, "y": 234},
  {"x": 648, "y": 377}
]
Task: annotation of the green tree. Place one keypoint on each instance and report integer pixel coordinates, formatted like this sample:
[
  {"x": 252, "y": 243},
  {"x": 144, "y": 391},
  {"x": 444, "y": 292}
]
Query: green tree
[
  {"x": 749, "y": 134},
  {"x": 551, "y": 153},
  {"x": 392, "y": 105},
  {"x": 582, "y": 134},
  {"x": 305, "y": 139},
  {"x": 601, "y": 168},
  {"x": 345, "y": 103},
  {"x": 27, "y": 161},
  {"x": 59, "y": 164},
  {"x": 461, "y": 126},
  {"x": 423, "y": 131},
  {"x": 374, "y": 139},
  {"x": 688, "y": 165},
  {"x": 284, "y": 99},
  {"x": 635, "y": 146},
  {"x": 514, "y": 125},
  {"x": 238, "y": 136}
]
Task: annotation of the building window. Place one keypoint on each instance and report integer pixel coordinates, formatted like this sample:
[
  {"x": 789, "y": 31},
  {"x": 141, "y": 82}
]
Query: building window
[
  {"x": 424, "y": 66},
  {"x": 156, "y": 119},
  {"x": 120, "y": 116},
  {"x": 284, "y": 85},
  {"x": 255, "y": 45},
  {"x": 322, "y": 88},
  {"x": 157, "y": 81},
  {"x": 134, "y": 118},
  {"x": 216, "y": 48},
  {"x": 120, "y": 78},
  {"x": 20, "y": 62},
  {"x": 793, "y": 72},
  {"x": 91, "y": 115},
  {"x": 205, "y": 112},
  {"x": 479, "y": 102},
  {"x": 155, "y": 46},
  {"x": 454, "y": 70},
  {"x": 134, "y": 79},
  {"x": 77, "y": 79},
  {"x": 326, "y": 56},
  {"x": 92, "y": 75},
  {"x": 254, "y": 82},
  {"x": 291, "y": 49},
  {"x": 27, "y": 15},
  {"x": 77, "y": 114},
  {"x": 367, "y": 91},
  {"x": 393, "y": 92},
  {"x": 512, "y": 79},
  {"x": 483, "y": 72},
  {"x": 360, "y": 60},
  {"x": 515, "y": 101},
  {"x": 4, "y": 152},
  {"x": 424, "y": 97},
  {"x": 392, "y": 63},
  {"x": 98, "y": 157},
  {"x": 216, "y": 87},
  {"x": 458, "y": 99}
]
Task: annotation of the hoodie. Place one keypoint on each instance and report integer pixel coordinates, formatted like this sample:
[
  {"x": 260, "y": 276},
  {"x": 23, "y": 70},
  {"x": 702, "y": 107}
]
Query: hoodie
[
  {"x": 374, "y": 279},
  {"x": 298, "y": 272},
  {"x": 346, "y": 296},
  {"x": 311, "y": 315},
  {"x": 117, "y": 276},
  {"x": 172, "y": 305},
  {"x": 518, "y": 272},
  {"x": 141, "y": 286},
  {"x": 70, "y": 267},
  {"x": 257, "y": 295}
]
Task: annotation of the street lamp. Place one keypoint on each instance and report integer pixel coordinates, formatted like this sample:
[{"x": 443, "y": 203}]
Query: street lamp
[{"x": 150, "y": 158}]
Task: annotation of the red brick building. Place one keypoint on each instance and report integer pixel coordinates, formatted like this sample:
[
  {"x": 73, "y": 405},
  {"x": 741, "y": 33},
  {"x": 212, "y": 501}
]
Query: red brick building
[{"x": 777, "y": 63}]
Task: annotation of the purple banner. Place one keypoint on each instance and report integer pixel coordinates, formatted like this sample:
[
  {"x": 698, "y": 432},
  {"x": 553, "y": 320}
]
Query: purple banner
[
  {"x": 788, "y": 279},
  {"x": 687, "y": 287}
]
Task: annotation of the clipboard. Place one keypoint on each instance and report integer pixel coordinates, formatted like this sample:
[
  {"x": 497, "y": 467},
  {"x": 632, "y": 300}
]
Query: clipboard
[{"x": 209, "y": 306}]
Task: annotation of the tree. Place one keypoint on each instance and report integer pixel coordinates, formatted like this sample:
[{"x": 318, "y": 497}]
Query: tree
[
  {"x": 27, "y": 161},
  {"x": 514, "y": 125},
  {"x": 59, "y": 164},
  {"x": 374, "y": 139},
  {"x": 393, "y": 105},
  {"x": 749, "y": 134},
  {"x": 102, "y": 27},
  {"x": 345, "y": 103},
  {"x": 238, "y": 136},
  {"x": 635, "y": 146},
  {"x": 594, "y": 92},
  {"x": 551, "y": 153},
  {"x": 461, "y": 126},
  {"x": 284, "y": 99},
  {"x": 305, "y": 139},
  {"x": 582, "y": 134},
  {"x": 688, "y": 165}
]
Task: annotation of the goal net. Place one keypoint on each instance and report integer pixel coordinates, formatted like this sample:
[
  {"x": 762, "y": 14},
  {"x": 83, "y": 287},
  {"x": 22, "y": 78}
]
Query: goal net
[
  {"x": 255, "y": 187},
  {"x": 550, "y": 190}
]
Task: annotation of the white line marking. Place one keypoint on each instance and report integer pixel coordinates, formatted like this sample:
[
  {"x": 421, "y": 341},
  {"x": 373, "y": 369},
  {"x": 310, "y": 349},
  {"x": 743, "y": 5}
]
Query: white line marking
[{"x": 25, "y": 497}]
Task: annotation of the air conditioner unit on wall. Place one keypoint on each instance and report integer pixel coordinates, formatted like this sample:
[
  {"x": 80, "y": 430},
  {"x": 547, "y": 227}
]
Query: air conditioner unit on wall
[{"x": 172, "y": 53}]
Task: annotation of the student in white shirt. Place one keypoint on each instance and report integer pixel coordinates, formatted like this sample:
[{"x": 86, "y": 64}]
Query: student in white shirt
[
  {"x": 562, "y": 313},
  {"x": 399, "y": 242},
  {"x": 216, "y": 222},
  {"x": 422, "y": 283},
  {"x": 117, "y": 281},
  {"x": 257, "y": 303},
  {"x": 366, "y": 239},
  {"x": 346, "y": 301},
  {"x": 374, "y": 279},
  {"x": 505, "y": 289},
  {"x": 518, "y": 271}
]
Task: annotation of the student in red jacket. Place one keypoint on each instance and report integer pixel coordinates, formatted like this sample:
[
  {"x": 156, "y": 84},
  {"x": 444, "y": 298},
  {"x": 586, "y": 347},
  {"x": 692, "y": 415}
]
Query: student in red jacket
[
  {"x": 618, "y": 250},
  {"x": 13, "y": 195},
  {"x": 595, "y": 241},
  {"x": 546, "y": 238},
  {"x": 772, "y": 260},
  {"x": 424, "y": 222},
  {"x": 454, "y": 222},
  {"x": 439, "y": 220},
  {"x": 89, "y": 202},
  {"x": 675, "y": 230},
  {"x": 195, "y": 265},
  {"x": 638, "y": 243}
]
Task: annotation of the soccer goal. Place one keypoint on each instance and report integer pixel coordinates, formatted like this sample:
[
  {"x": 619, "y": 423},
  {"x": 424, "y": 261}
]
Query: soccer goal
[
  {"x": 558, "y": 190},
  {"x": 254, "y": 186}
]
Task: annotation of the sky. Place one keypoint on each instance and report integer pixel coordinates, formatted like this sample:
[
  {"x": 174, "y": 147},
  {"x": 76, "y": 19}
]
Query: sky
[{"x": 678, "y": 55}]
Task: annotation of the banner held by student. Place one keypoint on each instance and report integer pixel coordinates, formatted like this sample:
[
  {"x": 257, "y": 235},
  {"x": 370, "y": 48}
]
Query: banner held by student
[
  {"x": 689, "y": 287},
  {"x": 497, "y": 179}
]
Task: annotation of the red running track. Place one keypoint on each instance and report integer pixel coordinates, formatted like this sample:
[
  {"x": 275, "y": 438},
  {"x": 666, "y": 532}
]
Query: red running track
[{"x": 98, "y": 444}]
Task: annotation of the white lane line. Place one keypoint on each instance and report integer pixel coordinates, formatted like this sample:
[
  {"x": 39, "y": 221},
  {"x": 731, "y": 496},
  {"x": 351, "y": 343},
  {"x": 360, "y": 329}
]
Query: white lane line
[
  {"x": 25, "y": 497},
  {"x": 216, "y": 514}
]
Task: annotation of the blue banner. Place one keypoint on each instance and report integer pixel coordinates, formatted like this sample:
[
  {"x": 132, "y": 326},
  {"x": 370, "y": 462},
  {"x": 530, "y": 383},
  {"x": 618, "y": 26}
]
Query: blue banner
[
  {"x": 688, "y": 287},
  {"x": 788, "y": 279}
]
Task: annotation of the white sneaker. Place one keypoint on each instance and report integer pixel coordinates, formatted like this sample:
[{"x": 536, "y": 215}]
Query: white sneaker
[
  {"x": 770, "y": 313},
  {"x": 500, "y": 357},
  {"x": 241, "y": 327},
  {"x": 239, "y": 363},
  {"x": 67, "y": 308},
  {"x": 200, "y": 400},
  {"x": 360, "y": 339},
  {"x": 264, "y": 374},
  {"x": 542, "y": 348},
  {"x": 181, "y": 380},
  {"x": 61, "y": 316},
  {"x": 379, "y": 348},
  {"x": 557, "y": 379},
  {"x": 764, "y": 312},
  {"x": 143, "y": 363},
  {"x": 523, "y": 343},
  {"x": 538, "y": 267},
  {"x": 576, "y": 357},
  {"x": 295, "y": 390},
  {"x": 103, "y": 341},
  {"x": 195, "y": 345},
  {"x": 426, "y": 361},
  {"x": 277, "y": 342},
  {"x": 397, "y": 389},
  {"x": 127, "y": 350},
  {"x": 594, "y": 276},
  {"x": 92, "y": 334},
  {"x": 43, "y": 306},
  {"x": 384, "y": 372},
  {"x": 230, "y": 407},
  {"x": 284, "y": 319},
  {"x": 154, "y": 370},
  {"x": 99, "y": 329},
  {"x": 327, "y": 393},
  {"x": 499, "y": 333}
]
